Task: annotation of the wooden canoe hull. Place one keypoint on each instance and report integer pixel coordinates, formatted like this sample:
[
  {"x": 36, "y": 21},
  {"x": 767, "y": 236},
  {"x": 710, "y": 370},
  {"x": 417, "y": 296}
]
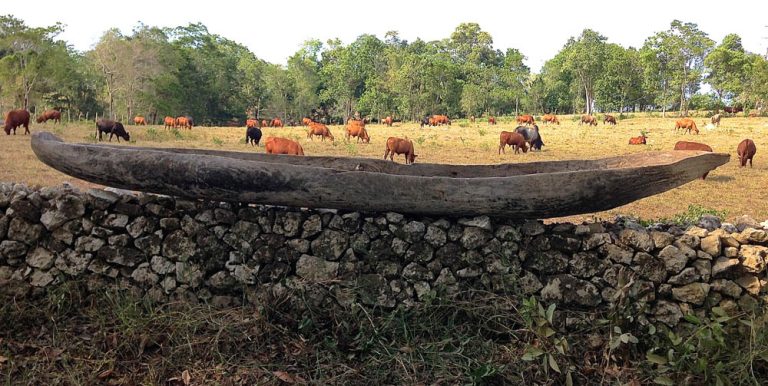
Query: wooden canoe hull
[{"x": 523, "y": 190}]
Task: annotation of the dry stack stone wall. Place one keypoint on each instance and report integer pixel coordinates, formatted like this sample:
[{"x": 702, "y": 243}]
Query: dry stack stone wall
[{"x": 168, "y": 249}]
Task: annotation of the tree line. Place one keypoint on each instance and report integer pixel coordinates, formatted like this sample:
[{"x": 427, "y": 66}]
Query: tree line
[{"x": 187, "y": 70}]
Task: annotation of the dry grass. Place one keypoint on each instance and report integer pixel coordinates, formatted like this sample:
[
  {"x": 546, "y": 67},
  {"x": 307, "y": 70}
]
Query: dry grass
[{"x": 729, "y": 188}]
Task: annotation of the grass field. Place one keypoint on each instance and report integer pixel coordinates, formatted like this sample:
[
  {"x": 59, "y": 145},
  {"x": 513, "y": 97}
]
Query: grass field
[{"x": 729, "y": 188}]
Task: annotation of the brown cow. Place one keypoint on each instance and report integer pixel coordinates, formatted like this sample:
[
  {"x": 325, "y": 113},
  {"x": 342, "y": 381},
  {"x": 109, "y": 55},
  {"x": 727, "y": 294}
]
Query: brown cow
[
  {"x": 265, "y": 123},
  {"x": 609, "y": 119},
  {"x": 686, "y": 145},
  {"x": 733, "y": 110},
  {"x": 752, "y": 114},
  {"x": 169, "y": 122},
  {"x": 182, "y": 122},
  {"x": 251, "y": 123},
  {"x": 688, "y": 124},
  {"x": 356, "y": 128},
  {"x": 48, "y": 115},
  {"x": 550, "y": 118},
  {"x": 277, "y": 145},
  {"x": 526, "y": 119},
  {"x": 139, "y": 120},
  {"x": 638, "y": 140},
  {"x": 441, "y": 120},
  {"x": 491, "y": 120},
  {"x": 319, "y": 129},
  {"x": 588, "y": 119},
  {"x": 276, "y": 123},
  {"x": 716, "y": 119},
  {"x": 514, "y": 139},
  {"x": 746, "y": 151},
  {"x": 16, "y": 118},
  {"x": 472, "y": 118},
  {"x": 400, "y": 146},
  {"x": 305, "y": 121},
  {"x": 387, "y": 121}
]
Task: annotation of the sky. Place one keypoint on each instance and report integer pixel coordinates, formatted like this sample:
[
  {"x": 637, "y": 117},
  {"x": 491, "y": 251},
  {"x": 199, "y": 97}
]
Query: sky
[{"x": 275, "y": 29}]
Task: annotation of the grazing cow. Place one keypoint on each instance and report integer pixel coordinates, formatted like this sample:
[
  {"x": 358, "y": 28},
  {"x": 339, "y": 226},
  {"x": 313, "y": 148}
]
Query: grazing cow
[
  {"x": 139, "y": 120},
  {"x": 609, "y": 119},
  {"x": 305, "y": 121},
  {"x": 688, "y": 125},
  {"x": 169, "y": 122},
  {"x": 525, "y": 119},
  {"x": 356, "y": 128},
  {"x": 251, "y": 123},
  {"x": 550, "y": 118},
  {"x": 588, "y": 119},
  {"x": 472, "y": 118},
  {"x": 436, "y": 120},
  {"x": 733, "y": 110},
  {"x": 686, "y": 145},
  {"x": 252, "y": 135},
  {"x": 48, "y": 115},
  {"x": 400, "y": 146},
  {"x": 277, "y": 145},
  {"x": 716, "y": 119},
  {"x": 753, "y": 114},
  {"x": 513, "y": 139},
  {"x": 531, "y": 135},
  {"x": 113, "y": 128},
  {"x": 491, "y": 120},
  {"x": 319, "y": 129},
  {"x": 184, "y": 122},
  {"x": 276, "y": 123},
  {"x": 16, "y": 118},
  {"x": 746, "y": 151},
  {"x": 638, "y": 140},
  {"x": 424, "y": 121},
  {"x": 387, "y": 121},
  {"x": 265, "y": 123}
]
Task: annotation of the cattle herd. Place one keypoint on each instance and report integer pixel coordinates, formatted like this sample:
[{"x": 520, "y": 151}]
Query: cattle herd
[{"x": 525, "y": 136}]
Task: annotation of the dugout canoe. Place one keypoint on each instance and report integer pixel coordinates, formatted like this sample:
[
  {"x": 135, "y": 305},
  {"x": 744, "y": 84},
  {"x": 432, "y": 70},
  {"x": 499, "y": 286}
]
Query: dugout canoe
[{"x": 519, "y": 190}]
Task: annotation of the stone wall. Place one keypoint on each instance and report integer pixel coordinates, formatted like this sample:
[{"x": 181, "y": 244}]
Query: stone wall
[{"x": 224, "y": 253}]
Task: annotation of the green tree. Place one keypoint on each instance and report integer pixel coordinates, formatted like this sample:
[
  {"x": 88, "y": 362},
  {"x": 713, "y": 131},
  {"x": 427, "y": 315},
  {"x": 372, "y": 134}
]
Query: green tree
[
  {"x": 585, "y": 58},
  {"x": 728, "y": 65},
  {"x": 622, "y": 79}
]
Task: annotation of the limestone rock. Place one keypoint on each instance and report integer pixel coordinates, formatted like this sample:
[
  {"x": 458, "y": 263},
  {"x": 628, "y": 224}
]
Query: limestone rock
[
  {"x": 668, "y": 313},
  {"x": 483, "y": 222},
  {"x": 637, "y": 239},
  {"x": 694, "y": 293},
  {"x": 316, "y": 269},
  {"x": 753, "y": 258},
  {"x": 566, "y": 289}
]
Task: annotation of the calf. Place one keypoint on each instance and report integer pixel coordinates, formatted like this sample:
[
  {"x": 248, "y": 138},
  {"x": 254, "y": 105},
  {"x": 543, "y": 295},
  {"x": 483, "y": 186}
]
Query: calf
[
  {"x": 400, "y": 146},
  {"x": 638, "y": 140},
  {"x": 277, "y": 145},
  {"x": 609, "y": 119},
  {"x": 716, "y": 119},
  {"x": 688, "y": 124},
  {"x": 319, "y": 129},
  {"x": 588, "y": 119},
  {"x": 491, "y": 120},
  {"x": 357, "y": 129},
  {"x": 16, "y": 118},
  {"x": 48, "y": 115},
  {"x": 252, "y": 135},
  {"x": 472, "y": 118},
  {"x": 550, "y": 118},
  {"x": 686, "y": 145},
  {"x": 513, "y": 139},
  {"x": 139, "y": 120},
  {"x": 746, "y": 150},
  {"x": 387, "y": 121},
  {"x": 526, "y": 119},
  {"x": 113, "y": 128}
]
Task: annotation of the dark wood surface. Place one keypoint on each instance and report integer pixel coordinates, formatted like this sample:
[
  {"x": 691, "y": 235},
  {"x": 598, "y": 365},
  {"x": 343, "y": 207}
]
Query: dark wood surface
[{"x": 520, "y": 190}]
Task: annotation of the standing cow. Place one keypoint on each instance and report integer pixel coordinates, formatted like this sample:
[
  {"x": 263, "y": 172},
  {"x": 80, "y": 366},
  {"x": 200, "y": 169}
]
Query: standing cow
[
  {"x": 16, "y": 118},
  {"x": 400, "y": 146},
  {"x": 113, "y": 128},
  {"x": 609, "y": 119},
  {"x": 746, "y": 150},
  {"x": 48, "y": 115},
  {"x": 252, "y": 136}
]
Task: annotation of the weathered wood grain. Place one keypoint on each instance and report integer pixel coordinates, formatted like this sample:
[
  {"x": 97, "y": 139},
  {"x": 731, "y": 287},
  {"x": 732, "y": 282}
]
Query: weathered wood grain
[{"x": 521, "y": 190}]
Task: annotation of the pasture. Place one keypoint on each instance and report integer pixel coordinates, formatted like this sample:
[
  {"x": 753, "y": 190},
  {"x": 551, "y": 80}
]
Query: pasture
[{"x": 735, "y": 190}]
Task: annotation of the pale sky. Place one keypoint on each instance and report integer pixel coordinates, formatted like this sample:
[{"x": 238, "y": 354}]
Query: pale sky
[{"x": 275, "y": 29}]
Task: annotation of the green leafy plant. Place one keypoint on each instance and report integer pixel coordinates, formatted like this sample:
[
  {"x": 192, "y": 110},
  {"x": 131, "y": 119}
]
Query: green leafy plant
[{"x": 217, "y": 141}]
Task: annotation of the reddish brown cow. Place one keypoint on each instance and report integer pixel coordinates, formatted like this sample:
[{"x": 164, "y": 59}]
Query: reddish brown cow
[
  {"x": 277, "y": 145},
  {"x": 48, "y": 115},
  {"x": 305, "y": 121},
  {"x": 688, "y": 124},
  {"x": 441, "y": 120},
  {"x": 319, "y": 129},
  {"x": 251, "y": 123},
  {"x": 514, "y": 139},
  {"x": 687, "y": 145},
  {"x": 526, "y": 119},
  {"x": 265, "y": 123},
  {"x": 491, "y": 120},
  {"x": 276, "y": 123},
  {"x": 609, "y": 119},
  {"x": 139, "y": 120},
  {"x": 387, "y": 121},
  {"x": 400, "y": 146},
  {"x": 733, "y": 110},
  {"x": 746, "y": 150},
  {"x": 16, "y": 118},
  {"x": 169, "y": 122},
  {"x": 638, "y": 140},
  {"x": 183, "y": 122},
  {"x": 588, "y": 119},
  {"x": 550, "y": 118},
  {"x": 356, "y": 128},
  {"x": 472, "y": 118}
]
